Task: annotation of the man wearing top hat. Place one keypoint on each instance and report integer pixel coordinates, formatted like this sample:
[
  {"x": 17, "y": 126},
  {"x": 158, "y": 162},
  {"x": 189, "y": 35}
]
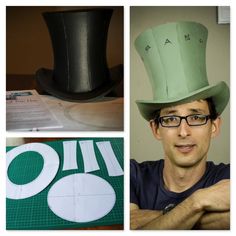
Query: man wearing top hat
[{"x": 183, "y": 190}]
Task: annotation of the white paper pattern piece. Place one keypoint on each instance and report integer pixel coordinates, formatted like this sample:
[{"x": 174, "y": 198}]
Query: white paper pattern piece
[
  {"x": 70, "y": 155},
  {"x": 105, "y": 115},
  {"x": 81, "y": 198},
  {"x": 113, "y": 166},
  {"x": 89, "y": 157},
  {"x": 49, "y": 171},
  {"x": 25, "y": 110}
]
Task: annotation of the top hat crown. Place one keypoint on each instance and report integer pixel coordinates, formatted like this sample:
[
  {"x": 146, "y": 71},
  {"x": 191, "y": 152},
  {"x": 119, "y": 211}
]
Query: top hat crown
[
  {"x": 79, "y": 40},
  {"x": 174, "y": 56}
]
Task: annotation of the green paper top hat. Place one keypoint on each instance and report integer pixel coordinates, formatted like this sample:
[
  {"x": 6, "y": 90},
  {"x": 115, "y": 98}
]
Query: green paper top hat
[{"x": 174, "y": 56}]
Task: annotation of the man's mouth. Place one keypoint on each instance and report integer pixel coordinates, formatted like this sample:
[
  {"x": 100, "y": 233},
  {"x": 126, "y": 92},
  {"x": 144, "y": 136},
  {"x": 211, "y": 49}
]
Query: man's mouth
[{"x": 185, "y": 148}]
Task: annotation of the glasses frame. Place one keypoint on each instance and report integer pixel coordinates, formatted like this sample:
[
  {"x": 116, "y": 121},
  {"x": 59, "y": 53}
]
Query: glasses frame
[{"x": 160, "y": 120}]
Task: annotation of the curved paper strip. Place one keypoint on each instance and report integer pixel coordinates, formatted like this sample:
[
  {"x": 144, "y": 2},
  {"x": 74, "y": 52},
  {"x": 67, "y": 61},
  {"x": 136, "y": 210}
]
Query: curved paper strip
[
  {"x": 70, "y": 156},
  {"x": 49, "y": 171}
]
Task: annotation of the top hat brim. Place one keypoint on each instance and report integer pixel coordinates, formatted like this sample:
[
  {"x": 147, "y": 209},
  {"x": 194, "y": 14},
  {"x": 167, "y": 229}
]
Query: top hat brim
[
  {"x": 219, "y": 94},
  {"x": 44, "y": 78}
]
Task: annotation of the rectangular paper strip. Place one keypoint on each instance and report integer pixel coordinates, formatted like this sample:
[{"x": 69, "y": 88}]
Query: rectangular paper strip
[
  {"x": 113, "y": 166},
  {"x": 89, "y": 157},
  {"x": 70, "y": 155}
]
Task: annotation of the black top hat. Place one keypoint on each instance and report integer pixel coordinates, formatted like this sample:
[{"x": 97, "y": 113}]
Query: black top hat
[{"x": 79, "y": 46}]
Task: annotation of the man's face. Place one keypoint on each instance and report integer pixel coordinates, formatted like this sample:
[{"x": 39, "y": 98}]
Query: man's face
[{"x": 186, "y": 146}]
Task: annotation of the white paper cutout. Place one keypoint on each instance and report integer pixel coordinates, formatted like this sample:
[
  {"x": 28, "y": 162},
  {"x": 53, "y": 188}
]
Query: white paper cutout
[
  {"x": 81, "y": 198},
  {"x": 70, "y": 155},
  {"x": 49, "y": 171},
  {"x": 89, "y": 157},
  {"x": 113, "y": 166}
]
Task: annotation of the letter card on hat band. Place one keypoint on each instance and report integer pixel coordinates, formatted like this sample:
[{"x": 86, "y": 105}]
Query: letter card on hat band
[{"x": 71, "y": 197}]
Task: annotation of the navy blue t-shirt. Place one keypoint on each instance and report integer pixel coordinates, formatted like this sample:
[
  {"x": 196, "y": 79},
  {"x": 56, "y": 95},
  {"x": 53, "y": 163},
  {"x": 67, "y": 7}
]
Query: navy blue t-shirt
[{"x": 147, "y": 186}]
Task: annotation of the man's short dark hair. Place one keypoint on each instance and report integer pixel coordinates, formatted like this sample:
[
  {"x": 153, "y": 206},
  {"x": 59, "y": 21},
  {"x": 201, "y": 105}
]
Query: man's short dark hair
[{"x": 211, "y": 107}]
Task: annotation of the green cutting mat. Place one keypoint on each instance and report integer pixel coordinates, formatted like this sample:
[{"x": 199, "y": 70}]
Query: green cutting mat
[{"x": 34, "y": 213}]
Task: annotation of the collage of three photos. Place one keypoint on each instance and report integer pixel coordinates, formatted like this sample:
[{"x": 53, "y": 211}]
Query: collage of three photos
[{"x": 66, "y": 78}]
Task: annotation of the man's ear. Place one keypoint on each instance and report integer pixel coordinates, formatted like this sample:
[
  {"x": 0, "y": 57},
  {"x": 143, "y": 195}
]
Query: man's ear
[
  {"x": 215, "y": 128},
  {"x": 155, "y": 129}
]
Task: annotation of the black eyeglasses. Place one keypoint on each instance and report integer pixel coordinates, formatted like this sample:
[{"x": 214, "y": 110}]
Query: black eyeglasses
[{"x": 175, "y": 121}]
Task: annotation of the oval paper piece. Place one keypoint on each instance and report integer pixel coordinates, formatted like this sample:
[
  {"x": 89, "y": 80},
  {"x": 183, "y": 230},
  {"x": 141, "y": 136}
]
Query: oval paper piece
[{"x": 81, "y": 198}]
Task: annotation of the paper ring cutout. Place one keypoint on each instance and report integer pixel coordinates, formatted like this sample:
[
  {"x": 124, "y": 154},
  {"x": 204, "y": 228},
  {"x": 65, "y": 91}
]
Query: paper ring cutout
[
  {"x": 47, "y": 174},
  {"x": 81, "y": 198}
]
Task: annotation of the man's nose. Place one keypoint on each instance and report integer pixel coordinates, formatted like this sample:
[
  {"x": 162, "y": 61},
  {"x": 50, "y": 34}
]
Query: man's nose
[{"x": 184, "y": 129}]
